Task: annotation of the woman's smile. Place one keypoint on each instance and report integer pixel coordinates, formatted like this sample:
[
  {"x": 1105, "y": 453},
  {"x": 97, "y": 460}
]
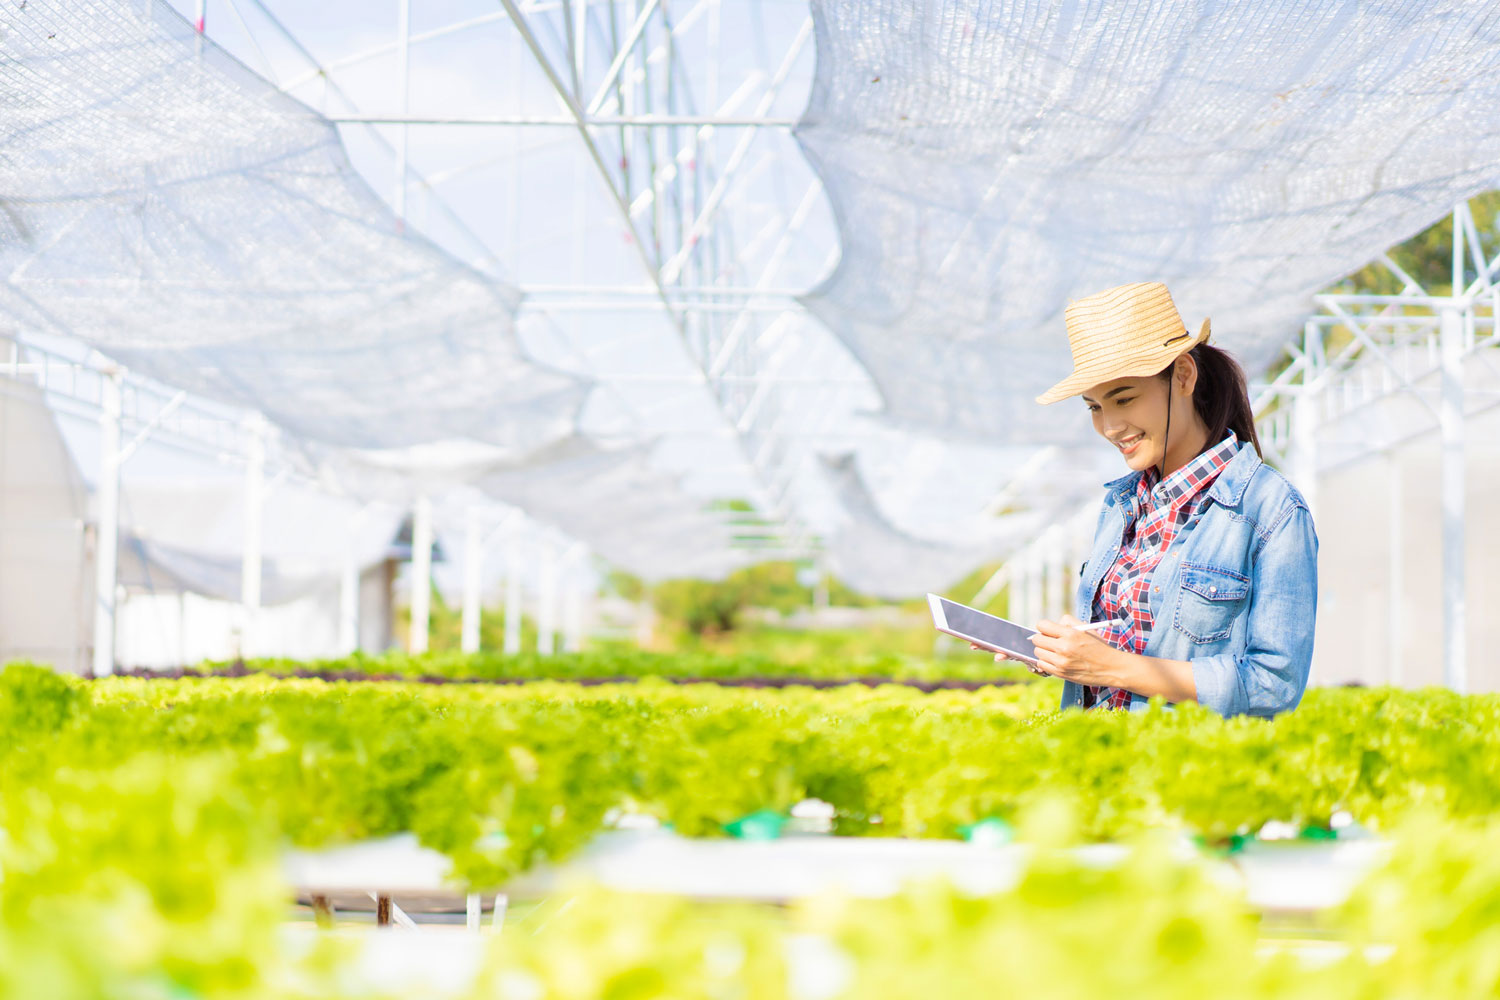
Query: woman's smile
[{"x": 1129, "y": 445}]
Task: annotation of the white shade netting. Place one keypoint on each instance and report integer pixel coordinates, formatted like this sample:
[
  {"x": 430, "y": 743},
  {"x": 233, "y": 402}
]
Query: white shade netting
[
  {"x": 988, "y": 161},
  {"x": 630, "y": 514},
  {"x": 875, "y": 557},
  {"x": 612, "y": 498},
  {"x": 167, "y": 206},
  {"x": 170, "y": 208},
  {"x": 189, "y": 534}
]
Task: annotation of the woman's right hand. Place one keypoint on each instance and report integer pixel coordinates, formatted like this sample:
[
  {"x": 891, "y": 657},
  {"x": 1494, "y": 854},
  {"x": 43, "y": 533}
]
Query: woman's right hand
[{"x": 1004, "y": 657}]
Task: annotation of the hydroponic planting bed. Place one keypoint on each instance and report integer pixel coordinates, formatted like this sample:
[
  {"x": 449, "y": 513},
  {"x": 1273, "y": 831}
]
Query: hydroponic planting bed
[{"x": 154, "y": 832}]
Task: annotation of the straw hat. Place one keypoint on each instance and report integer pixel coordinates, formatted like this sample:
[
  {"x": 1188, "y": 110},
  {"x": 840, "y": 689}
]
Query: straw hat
[{"x": 1129, "y": 330}]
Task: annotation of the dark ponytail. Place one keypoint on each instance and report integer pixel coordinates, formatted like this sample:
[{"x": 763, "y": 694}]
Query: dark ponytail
[{"x": 1221, "y": 396}]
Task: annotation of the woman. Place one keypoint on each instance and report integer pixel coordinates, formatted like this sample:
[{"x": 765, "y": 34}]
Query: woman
[{"x": 1204, "y": 558}]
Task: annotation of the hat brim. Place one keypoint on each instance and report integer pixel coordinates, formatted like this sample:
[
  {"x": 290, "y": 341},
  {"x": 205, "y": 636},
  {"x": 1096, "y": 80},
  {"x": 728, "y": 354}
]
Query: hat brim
[{"x": 1107, "y": 369}]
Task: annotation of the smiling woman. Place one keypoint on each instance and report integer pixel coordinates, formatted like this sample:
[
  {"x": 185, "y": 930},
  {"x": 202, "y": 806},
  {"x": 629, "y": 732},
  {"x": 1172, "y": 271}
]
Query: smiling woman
[{"x": 1204, "y": 558}]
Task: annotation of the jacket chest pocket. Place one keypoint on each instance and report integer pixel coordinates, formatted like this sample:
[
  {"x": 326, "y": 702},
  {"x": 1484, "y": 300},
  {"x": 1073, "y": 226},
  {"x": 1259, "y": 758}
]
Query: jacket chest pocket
[{"x": 1208, "y": 602}]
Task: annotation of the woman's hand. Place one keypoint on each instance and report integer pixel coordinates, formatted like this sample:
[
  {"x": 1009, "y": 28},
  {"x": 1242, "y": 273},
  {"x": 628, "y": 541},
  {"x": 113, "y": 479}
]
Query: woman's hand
[
  {"x": 1081, "y": 657},
  {"x": 1003, "y": 657}
]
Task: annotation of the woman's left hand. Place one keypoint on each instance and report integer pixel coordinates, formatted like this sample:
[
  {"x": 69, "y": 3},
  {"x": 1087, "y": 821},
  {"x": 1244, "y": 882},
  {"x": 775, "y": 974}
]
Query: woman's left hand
[{"x": 1081, "y": 657}]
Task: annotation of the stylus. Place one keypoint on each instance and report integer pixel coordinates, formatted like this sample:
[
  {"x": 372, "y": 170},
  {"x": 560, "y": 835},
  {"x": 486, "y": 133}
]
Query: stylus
[{"x": 1095, "y": 626}]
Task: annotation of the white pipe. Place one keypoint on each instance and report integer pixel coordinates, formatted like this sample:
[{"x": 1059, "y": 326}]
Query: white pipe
[
  {"x": 512, "y": 593},
  {"x": 473, "y": 552},
  {"x": 250, "y": 563},
  {"x": 546, "y": 613},
  {"x": 107, "y": 532},
  {"x": 403, "y": 80},
  {"x": 1304, "y": 447},
  {"x": 1057, "y": 572},
  {"x": 1082, "y": 532},
  {"x": 473, "y": 910},
  {"x": 421, "y": 574},
  {"x": 1036, "y": 589},
  {"x": 349, "y": 605},
  {"x": 1451, "y": 423},
  {"x": 1395, "y": 568},
  {"x": 573, "y": 596}
]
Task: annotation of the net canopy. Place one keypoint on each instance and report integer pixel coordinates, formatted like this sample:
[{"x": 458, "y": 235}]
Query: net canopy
[
  {"x": 180, "y": 214},
  {"x": 988, "y": 161},
  {"x": 874, "y": 557},
  {"x": 631, "y": 514},
  {"x": 982, "y": 163}
]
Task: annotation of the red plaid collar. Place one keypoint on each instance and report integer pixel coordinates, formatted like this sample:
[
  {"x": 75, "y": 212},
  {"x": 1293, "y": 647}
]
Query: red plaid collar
[
  {"x": 1185, "y": 483},
  {"x": 1154, "y": 516}
]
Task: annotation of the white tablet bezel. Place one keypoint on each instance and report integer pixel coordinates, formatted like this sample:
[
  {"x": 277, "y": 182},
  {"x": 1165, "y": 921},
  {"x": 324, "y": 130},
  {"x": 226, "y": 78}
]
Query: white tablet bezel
[{"x": 940, "y": 622}]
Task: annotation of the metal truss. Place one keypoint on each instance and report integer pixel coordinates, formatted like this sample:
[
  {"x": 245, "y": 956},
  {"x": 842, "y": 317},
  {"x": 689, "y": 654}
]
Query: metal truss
[
  {"x": 1372, "y": 373},
  {"x": 651, "y": 132},
  {"x": 639, "y": 117}
]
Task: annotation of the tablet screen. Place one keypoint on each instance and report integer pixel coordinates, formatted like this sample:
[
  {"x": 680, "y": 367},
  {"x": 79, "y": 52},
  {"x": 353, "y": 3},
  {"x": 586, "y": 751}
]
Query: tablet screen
[{"x": 992, "y": 631}]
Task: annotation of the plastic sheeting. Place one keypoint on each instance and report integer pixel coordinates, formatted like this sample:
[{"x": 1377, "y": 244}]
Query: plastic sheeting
[
  {"x": 875, "y": 557},
  {"x": 170, "y": 208},
  {"x": 193, "y": 531},
  {"x": 611, "y": 498},
  {"x": 631, "y": 515},
  {"x": 987, "y": 161},
  {"x": 177, "y": 212}
]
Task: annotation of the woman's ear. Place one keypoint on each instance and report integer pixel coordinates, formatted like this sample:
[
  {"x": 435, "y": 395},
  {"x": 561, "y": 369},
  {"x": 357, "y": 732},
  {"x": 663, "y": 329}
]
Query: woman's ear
[{"x": 1185, "y": 373}]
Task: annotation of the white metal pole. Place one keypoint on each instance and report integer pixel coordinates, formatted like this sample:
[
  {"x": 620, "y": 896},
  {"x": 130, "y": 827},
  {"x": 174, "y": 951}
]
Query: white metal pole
[
  {"x": 1057, "y": 572},
  {"x": 1396, "y": 567},
  {"x": 349, "y": 604},
  {"x": 573, "y": 601},
  {"x": 250, "y": 563},
  {"x": 473, "y": 552},
  {"x": 182, "y": 629},
  {"x": 1020, "y": 589},
  {"x": 1081, "y": 531},
  {"x": 403, "y": 80},
  {"x": 1033, "y": 584},
  {"x": 421, "y": 573},
  {"x": 512, "y": 592},
  {"x": 1015, "y": 603},
  {"x": 820, "y": 588},
  {"x": 107, "y": 533},
  {"x": 546, "y": 612},
  {"x": 1304, "y": 447},
  {"x": 1451, "y": 422}
]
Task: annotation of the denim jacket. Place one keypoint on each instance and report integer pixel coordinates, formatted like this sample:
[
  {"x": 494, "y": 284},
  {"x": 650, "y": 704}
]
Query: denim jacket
[{"x": 1235, "y": 594}]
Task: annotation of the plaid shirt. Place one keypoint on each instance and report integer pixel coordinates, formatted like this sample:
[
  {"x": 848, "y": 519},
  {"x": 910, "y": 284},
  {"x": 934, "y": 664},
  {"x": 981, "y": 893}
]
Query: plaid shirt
[{"x": 1154, "y": 516}]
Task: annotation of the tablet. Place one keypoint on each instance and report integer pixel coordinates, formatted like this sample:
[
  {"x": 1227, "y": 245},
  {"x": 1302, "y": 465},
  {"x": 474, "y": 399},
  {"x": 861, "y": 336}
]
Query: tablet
[{"x": 995, "y": 634}]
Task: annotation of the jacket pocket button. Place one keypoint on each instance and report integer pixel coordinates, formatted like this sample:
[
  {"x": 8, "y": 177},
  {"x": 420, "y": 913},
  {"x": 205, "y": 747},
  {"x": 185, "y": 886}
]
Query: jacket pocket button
[{"x": 1213, "y": 590}]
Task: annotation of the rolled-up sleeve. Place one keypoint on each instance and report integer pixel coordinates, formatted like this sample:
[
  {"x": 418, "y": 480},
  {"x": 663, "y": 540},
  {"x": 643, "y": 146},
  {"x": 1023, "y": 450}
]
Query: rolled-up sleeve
[{"x": 1271, "y": 674}]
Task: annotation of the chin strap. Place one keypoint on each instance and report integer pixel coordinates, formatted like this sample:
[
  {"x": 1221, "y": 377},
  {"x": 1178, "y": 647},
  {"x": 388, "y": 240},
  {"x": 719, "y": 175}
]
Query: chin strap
[{"x": 1166, "y": 437}]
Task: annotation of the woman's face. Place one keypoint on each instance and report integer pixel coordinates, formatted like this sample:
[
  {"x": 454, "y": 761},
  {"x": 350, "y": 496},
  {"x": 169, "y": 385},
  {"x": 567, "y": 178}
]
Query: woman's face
[{"x": 1131, "y": 414}]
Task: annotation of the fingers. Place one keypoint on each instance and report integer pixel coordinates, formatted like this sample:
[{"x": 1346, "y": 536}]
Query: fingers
[
  {"x": 1044, "y": 641},
  {"x": 1044, "y": 627},
  {"x": 1069, "y": 621}
]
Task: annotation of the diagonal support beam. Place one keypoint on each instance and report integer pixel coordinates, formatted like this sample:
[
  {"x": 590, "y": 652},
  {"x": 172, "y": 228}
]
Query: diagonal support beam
[
  {"x": 631, "y": 38},
  {"x": 576, "y": 112}
]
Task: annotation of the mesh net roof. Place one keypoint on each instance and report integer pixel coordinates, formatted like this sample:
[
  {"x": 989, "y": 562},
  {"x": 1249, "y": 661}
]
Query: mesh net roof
[
  {"x": 873, "y": 556},
  {"x": 180, "y": 214},
  {"x": 983, "y": 162},
  {"x": 988, "y": 161}
]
